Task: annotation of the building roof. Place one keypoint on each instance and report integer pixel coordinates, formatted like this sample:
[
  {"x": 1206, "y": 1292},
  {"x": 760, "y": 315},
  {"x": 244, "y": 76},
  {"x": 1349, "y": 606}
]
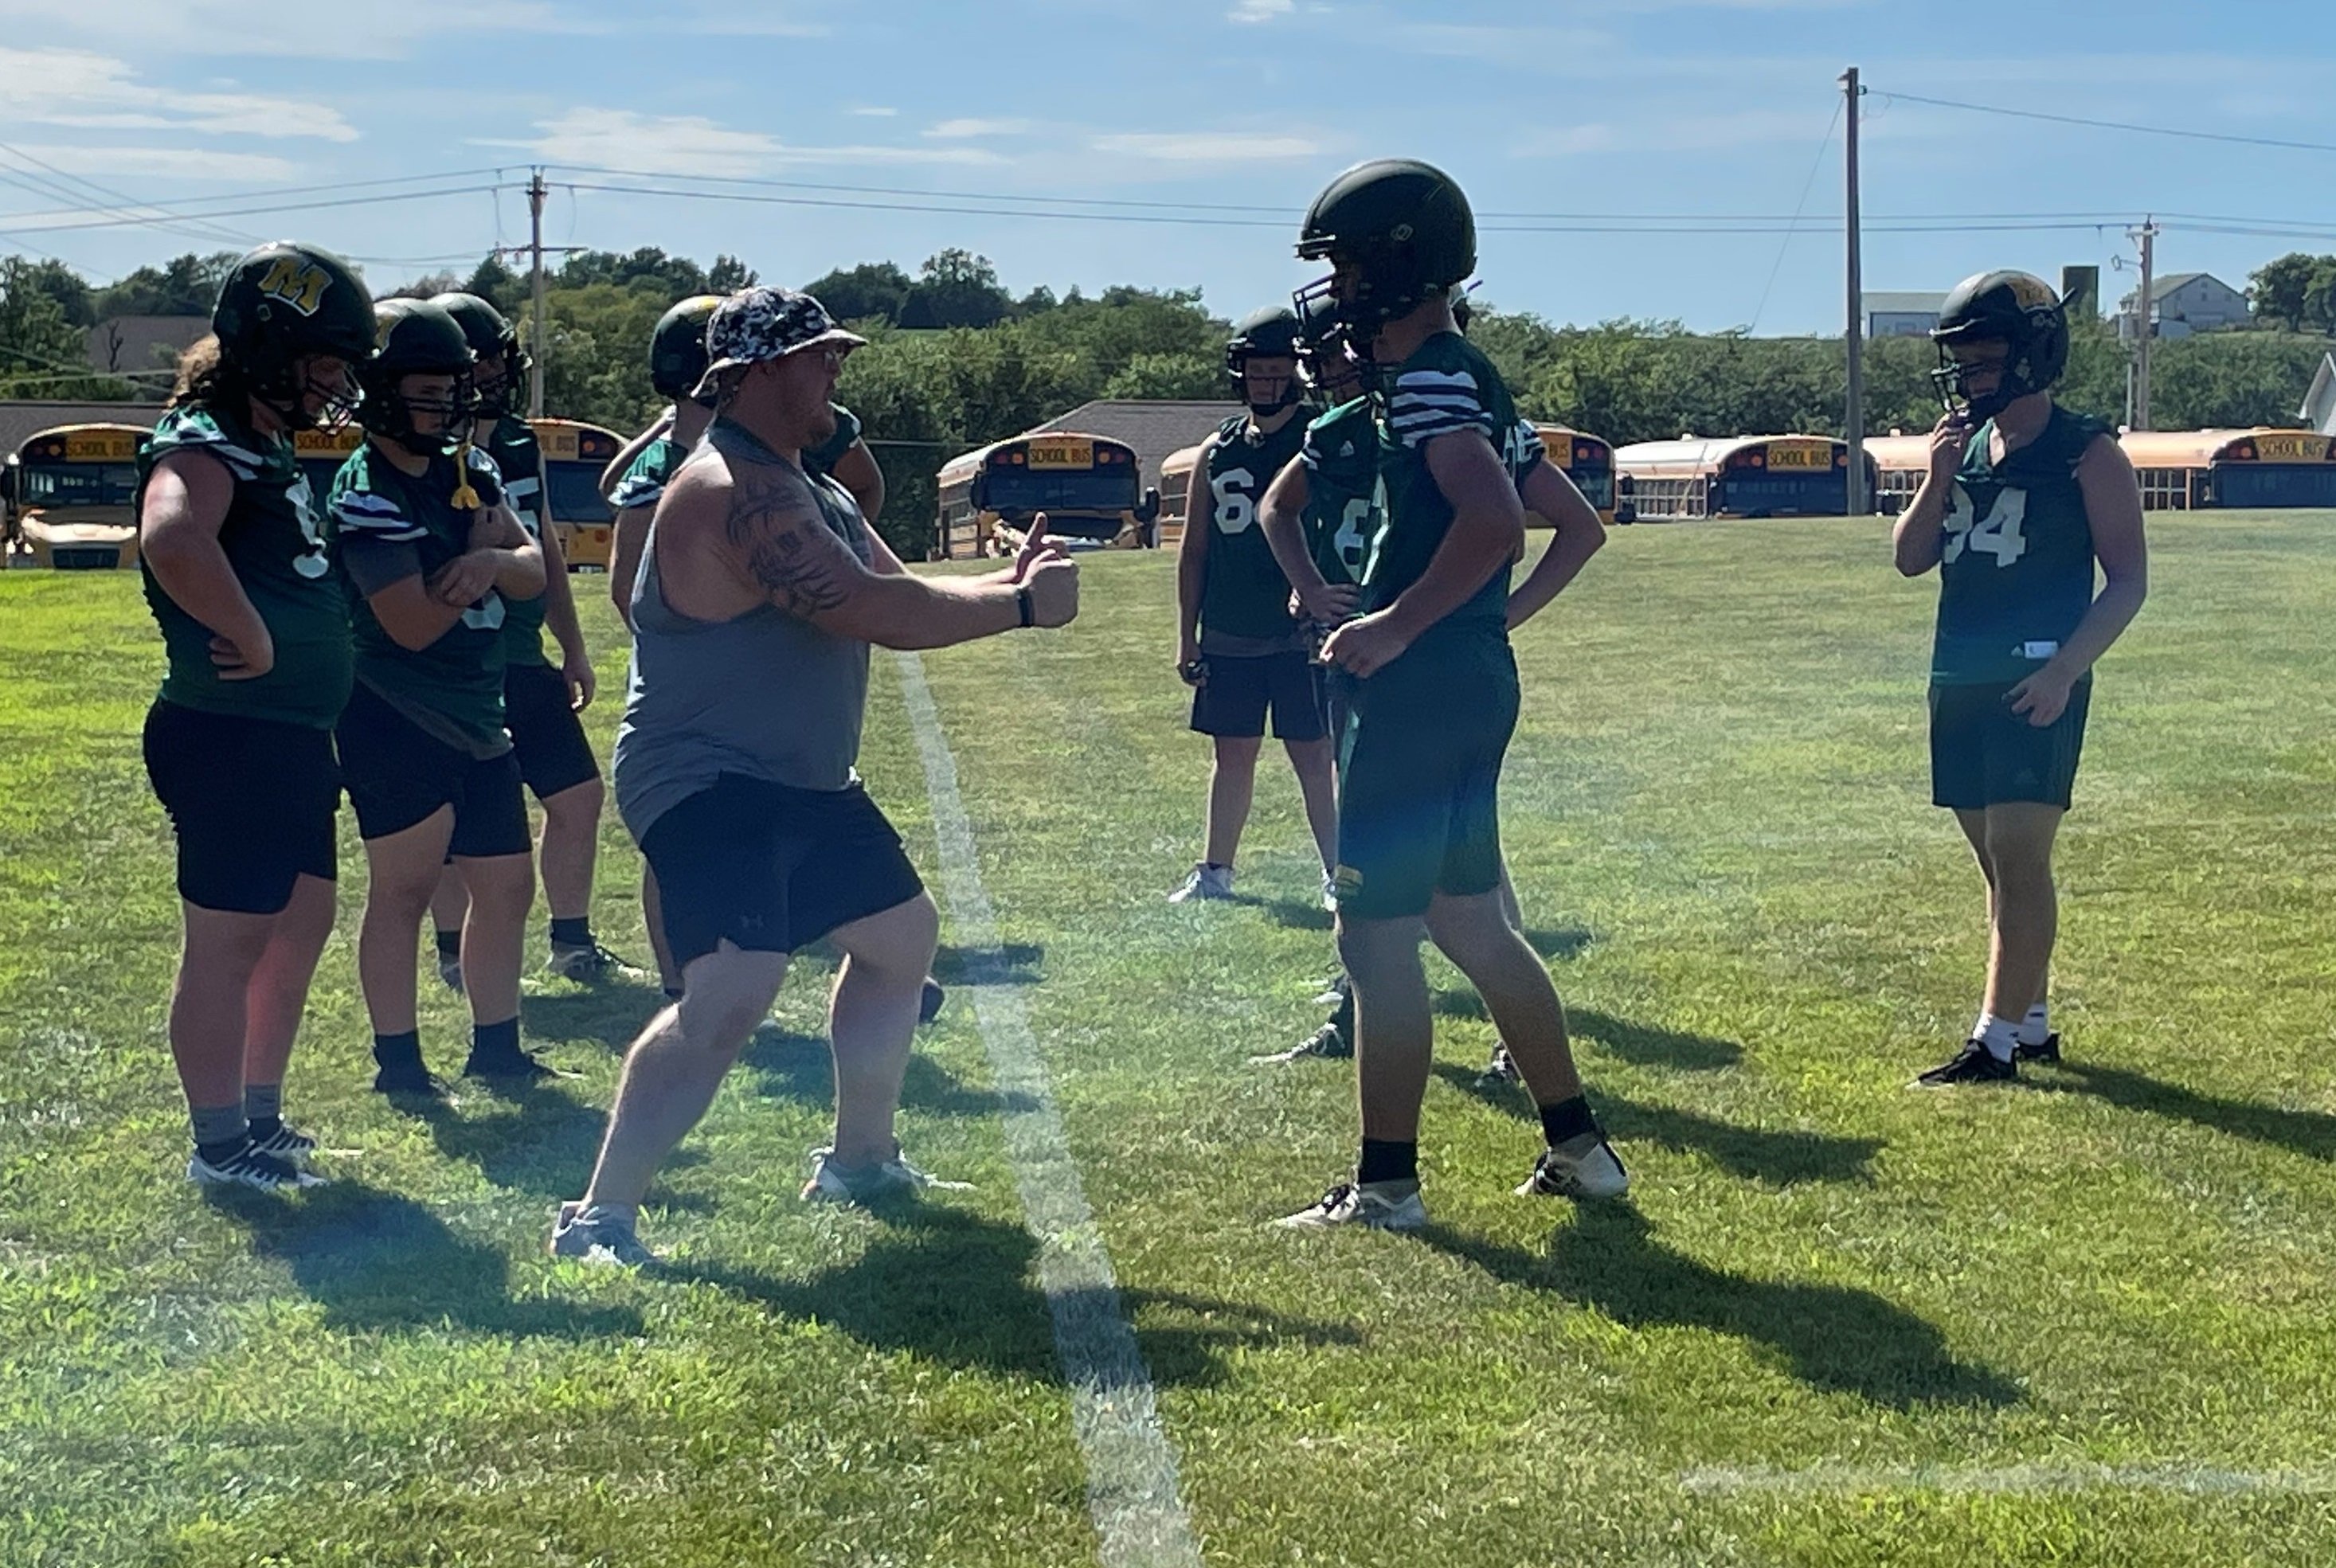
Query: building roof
[
  {"x": 2159, "y": 288},
  {"x": 21, "y": 421},
  {"x": 1154, "y": 427},
  {"x": 143, "y": 343},
  {"x": 1905, "y": 302}
]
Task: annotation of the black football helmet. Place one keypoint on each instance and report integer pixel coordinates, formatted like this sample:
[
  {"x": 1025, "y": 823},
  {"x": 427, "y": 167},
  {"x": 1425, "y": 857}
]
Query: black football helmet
[
  {"x": 490, "y": 334},
  {"x": 1271, "y": 333},
  {"x": 678, "y": 346},
  {"x": 2014, "y": 309},
  {"x": 1398, "y": 231},
  {"x": 1322, "y": 352},
  {"x": 417, "y": 337},
  {"x": 284, "y": 303}
]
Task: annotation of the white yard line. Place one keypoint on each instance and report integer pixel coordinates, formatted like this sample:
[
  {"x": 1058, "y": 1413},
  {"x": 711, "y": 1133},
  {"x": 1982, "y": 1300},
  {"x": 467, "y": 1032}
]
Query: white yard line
[
  {"x": 1132, "y": 1489},
  {"x": 1852, "y": 1479}
]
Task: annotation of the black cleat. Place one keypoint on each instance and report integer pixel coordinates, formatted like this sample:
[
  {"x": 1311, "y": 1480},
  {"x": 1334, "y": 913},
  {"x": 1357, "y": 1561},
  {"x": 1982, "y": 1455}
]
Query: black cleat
[
  {"x": 1328, "y": 1042},
  {"x": 930, "y": 1006},
  {"x": 1501, "y": 1070},
  {"x": 2047, "y": 1050},
  {"x": 1975, "y": 1065},
  {"x": 414, "y": 1082}
]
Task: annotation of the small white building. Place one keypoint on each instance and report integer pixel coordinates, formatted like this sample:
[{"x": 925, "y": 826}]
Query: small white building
[
  {"x": 2182, "y": 303},
  {"x": 1900, "y": 313}
]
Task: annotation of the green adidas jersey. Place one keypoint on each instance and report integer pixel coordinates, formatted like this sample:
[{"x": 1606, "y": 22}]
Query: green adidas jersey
[
  {"x": 822, "y": 458},
  {"x": 2016, "y": 573},
  {"x": 1341, "y": 454},
  {"x": 394, "y": 525},
  {"x": 1446, "y": 387},
  {"x": 279, "y": 542},
  {"x": 519, "y": 460},
  {"x": 646, "y": 476},
  {"x": 1244, "y": 597}
]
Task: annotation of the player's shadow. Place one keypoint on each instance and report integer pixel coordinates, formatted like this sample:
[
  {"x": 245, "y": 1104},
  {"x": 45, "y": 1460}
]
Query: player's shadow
[
  {"x": 1834, "y": 1338},
  {"x": 2311, "y": 1133},
  {"x": 799, "y": 1067},
  {"x": 613, "y": 1015},
  {"x": 378, "y": 1261},
  {"x": 1756, "y": 1153},
  {"x": 1652, "y": 1046},
  {"x": 1006, "y": 964},
  {"x": 954, "y": 1287},
  {"x": 539, "y": 1141}
]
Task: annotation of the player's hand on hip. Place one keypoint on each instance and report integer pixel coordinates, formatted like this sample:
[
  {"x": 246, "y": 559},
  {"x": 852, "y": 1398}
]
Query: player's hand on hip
[
  {"x": 1332, "y": 602},
  {"x": 583, "y": 684},
  {"x": 1365, "y": 646},
  {"x": 244, "y": 661},
  {"x": 1053, "y": 581},
  {"x": 2042, "y": 699}
]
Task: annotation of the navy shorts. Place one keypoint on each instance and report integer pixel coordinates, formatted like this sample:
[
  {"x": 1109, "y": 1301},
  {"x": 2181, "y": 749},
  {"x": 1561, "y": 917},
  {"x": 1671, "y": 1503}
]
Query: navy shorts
[
  {"x": 1983, "y": 754},
  {"x": 397, "y": 776},
  {"x": 1235, "y": 698},
  {"x": 547, "y": 735},
  {"x": 251, "y": 800},
  {"x": 770, "y": 869}
]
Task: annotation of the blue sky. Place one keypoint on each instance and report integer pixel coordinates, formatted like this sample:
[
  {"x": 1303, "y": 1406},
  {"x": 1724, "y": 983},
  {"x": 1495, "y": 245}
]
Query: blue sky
[{"x": 1563, "y": 114}]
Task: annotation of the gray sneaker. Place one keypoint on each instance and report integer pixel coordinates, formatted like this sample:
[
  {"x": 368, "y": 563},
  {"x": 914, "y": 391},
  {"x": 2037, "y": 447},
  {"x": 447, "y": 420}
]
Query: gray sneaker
[
  {"x": 833, "y": 1181},
  {"x": 1582, "y": 1167},
  {"x": 1205, "y": 884},
  {"x": 287, "y": 1143},
  {"x": 1376, "y": 1206},
  {"x": 247, "y": 1167},
  {"x": 597, "y": 1235}
]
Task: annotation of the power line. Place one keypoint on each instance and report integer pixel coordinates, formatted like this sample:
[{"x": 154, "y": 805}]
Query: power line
[
  {"x": 1785, "y": 244},
  {"x": 247, "y": 212},
  {"x": 2110, "y": 124}
]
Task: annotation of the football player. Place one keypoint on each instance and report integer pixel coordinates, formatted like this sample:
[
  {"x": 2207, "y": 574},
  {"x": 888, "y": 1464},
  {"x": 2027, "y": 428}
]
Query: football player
[
  {"x": 436, "y": 554},
  {"x": 1434, "y": 697},
  {"x": 2022, "y": 499},
  {"x": 540, "y": 704},
  {"x": 237, "y": 558},
  {"x": 1238, "y": 646}
]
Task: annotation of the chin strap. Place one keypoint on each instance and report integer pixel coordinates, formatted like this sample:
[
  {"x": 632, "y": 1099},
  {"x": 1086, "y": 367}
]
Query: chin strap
[{"x": 464, "y": 497}]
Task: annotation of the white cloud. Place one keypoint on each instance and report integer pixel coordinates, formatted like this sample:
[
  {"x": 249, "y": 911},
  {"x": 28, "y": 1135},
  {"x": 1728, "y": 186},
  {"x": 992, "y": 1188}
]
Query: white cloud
[
  {"x": 347, "y": 30},
  {"x": 960, "y": 129},
  {"x": 177, "y": 163},
  {"x": 74, "y": 87},
  {"x": 874, "y": 110},
  {"x": 1259, "y": 10},
  {"x": 692, "y": 144},
  {"x": 1206, "y": 146}
]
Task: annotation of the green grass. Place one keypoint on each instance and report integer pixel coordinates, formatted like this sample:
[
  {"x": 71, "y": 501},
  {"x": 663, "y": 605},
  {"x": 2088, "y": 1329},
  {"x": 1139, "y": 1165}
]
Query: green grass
[{"x": 2084, "y": 1321}]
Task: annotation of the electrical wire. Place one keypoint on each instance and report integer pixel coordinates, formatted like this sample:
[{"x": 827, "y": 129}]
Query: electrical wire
[
  {"x": 1787, "y": 243},
  {"x": 2107, "y": 125},
  {"x": 246, "y": 211}
]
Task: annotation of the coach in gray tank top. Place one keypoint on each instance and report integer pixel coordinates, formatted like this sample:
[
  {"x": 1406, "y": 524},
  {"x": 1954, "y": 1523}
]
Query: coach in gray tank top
[{"x": 760, "y": 590}]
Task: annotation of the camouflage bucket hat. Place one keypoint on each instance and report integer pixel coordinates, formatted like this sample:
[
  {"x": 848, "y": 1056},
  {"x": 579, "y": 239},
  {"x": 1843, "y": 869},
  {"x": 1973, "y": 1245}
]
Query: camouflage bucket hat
[{"x": 764, "y": 323}]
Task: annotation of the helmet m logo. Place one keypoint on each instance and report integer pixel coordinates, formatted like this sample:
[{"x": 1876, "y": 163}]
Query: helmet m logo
[
  {"x": 2030, "y": 292},
  {"x": 297, "y": 281}
]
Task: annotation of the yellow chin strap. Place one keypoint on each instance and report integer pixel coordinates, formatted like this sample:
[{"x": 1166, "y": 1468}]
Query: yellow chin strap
[{"x": 464, "y": 497}]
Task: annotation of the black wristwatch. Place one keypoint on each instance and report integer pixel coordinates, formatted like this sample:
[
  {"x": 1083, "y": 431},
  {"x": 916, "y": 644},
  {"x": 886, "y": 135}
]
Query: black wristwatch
[{"x": 1023, "y": 601}]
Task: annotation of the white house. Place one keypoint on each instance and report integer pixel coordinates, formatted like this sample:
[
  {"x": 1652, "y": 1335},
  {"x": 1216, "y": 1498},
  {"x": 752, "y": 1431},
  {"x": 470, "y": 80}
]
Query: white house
[
  {"x": 1901, "y": 314},
  {"x": 2182, "y": 303}
]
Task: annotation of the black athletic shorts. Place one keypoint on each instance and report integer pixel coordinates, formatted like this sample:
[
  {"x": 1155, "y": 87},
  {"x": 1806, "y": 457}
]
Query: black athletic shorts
[
  {"x": 546, "y": 734},
  {"x": 1419, "y": 777},
  {"x": 397, "y": 775},
  {"x": 773, "y": 869},
  {"x": 252, "y": 801},
  {"x": 1983, "y": 754},
  {"x": 1233, "y": 701}
]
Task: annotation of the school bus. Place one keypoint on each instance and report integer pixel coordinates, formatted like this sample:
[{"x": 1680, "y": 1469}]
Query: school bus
[
  {"x": 1175, "y": 487},
  {"x": 574, "y": 454},
  {"x": 1589, "y": 461},
  {"x": 1089, "y": 486},
  {"x": 2196, "y": 469},
  {"x": 320, "y": 454},
  {"x": 1738, "y": 476},
  {"x": 1899, "y": 462},
  {"x": 72, "y": 496}
]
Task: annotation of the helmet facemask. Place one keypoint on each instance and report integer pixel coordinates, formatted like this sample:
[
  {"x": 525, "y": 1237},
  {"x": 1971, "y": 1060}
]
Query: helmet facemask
[
  {"x": 2016, "y": 379},
  {"x": 286, "y": 385},
  {"x": 392, "y": 413}
]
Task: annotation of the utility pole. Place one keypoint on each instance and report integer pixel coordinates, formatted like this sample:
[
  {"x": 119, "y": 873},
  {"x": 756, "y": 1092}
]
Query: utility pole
[
  {"x": 535, "y": 250},
  {"x": 2146, "y": 326},
  {"x": 1857, "y": 502}
]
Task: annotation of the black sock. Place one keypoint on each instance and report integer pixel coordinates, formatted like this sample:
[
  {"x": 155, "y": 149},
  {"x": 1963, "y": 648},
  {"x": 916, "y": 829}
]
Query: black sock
[
  {"x": 495, "y": 1042},
  {"x": 575, "y": 933},
  {"x": 673, "y": 993},
  {"x": 1567, "y": 1119},
  {"x": 450, "y": 945},
  {"x": 220, "y": 1132},
  {"x": 394, "y": 1051},
  {"x": 1386, "y": 1161},
  {"x": 263, "y": 1106}
]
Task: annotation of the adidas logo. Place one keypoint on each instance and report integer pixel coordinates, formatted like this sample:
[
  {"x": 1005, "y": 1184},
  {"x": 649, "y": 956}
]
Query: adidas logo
[{"x": 1346, "y": 449}]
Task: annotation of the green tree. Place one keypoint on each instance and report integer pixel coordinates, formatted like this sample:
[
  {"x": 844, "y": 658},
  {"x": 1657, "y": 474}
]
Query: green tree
[
  {"x": 498, "y": 284},
  {"x": 185, "y": 284},
  {"x": 872, "y": 291},
  {"x": 2276, "y": 289},
  {"x": 955, "y": 288},
  {"x": 43, "y": 351}
]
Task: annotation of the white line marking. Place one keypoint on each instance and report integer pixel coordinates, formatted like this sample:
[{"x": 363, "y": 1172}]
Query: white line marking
[
  {"x": 2196, "y": 1479},
  {"x": 1132, "y": 1489}
]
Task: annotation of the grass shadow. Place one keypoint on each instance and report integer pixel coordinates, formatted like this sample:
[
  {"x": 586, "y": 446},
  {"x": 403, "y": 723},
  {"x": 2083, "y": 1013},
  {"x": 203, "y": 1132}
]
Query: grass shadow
[
  {"x": 1008, "y": 964},
  {"x": 2311, "y": 1133},
  {"x": 1650, "y": 1045},
  {"x": 800, "y": 1067},
  {"x": 1834, "y": 1338},
  {"x": 957, "y": 1287},
  {"x": 378, "y": 1261},
  {"x": 540, "y": 1140},
  {"x": 1298, "y": 914},
  {"x": 614, "y": 1014},
  {"x": 1558, "y": 941}
]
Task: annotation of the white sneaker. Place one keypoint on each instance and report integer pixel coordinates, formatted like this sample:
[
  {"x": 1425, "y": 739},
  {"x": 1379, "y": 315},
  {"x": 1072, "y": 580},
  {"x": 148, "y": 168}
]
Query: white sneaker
[
  {"x": 286, "y": 1144},
  {"x": 1379, "y": 1205},
  {"x": 1205, "y": 882},
  {"x": 597, "y": 1235},
  {"x": 833, "y": 1181},
  {"x": 1582, "y": 1167},
  {"x": 1330, "y": 894},
  {"x": 247, "y": 1167}
]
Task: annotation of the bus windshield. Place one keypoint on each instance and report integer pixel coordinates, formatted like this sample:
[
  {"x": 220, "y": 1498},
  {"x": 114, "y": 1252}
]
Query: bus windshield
[
  {"x": 77, "y": 484},
  {"x": 573, "y": 488},
  {"x": 1753, "y": 491},
  {"x": 1019, "y": 491},
  {"x": 1595, "y": 480},
  {"x": 2244, "y": 485}
]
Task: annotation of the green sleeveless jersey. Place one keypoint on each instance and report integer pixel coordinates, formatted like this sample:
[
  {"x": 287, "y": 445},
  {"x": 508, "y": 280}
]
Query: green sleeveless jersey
[
  {"x": 519, "y": 460},
  {"x": 1244, "y": 597},
  {"x": 1341, "y": 454},
  {"x": 645, "y": 478},
  {"x": 279, "y": 542},
  {"x": 2016, "y": 571},
  {"x": 395, "y": 525},
  {"x": 822, "y": 458}
]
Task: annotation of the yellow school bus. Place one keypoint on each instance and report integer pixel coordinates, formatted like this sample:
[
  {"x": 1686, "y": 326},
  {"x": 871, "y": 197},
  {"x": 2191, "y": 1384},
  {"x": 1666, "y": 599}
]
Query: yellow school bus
[
  {"x": 1089, "y": 486},
  {"x": 574, "y": 454},
  {"x": 1738, "y": 476},
  {"x": 1899, "y": 462},
  {"x": 2196, "y": 469},
  {"x": 71, "y": 494},
  {"x": 1175, "y": 493},
  {"x": 1589, "y": 461},
  {"x": 320, "y": 454}
]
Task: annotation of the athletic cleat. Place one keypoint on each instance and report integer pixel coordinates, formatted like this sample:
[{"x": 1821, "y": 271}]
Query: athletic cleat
[
  {"x": 287, "y": 1143},
  {"x": 588, "y": 962},
  {"x": 1329, "y": 1042},
  {"x": 518, "y": 1068},
  {"x": 1376, "y": 1205},
  {"x": 450, "y": 972},
  {"x": 247, "y": 1167},
  {"x": 1501, "y": 1069},
  {"x": 597, "y": 1235},
  {"x": 1206, "y": 883},
  {"x": 929, "y": 1006},
  {"x": 1974, "y": 1065},
  {"x": 1582, "y": 1167},
  {"x": 2048, "y": 1049},
  {"x": 1330, "y": 894},
  {"x": 415, "y": 1083},
  {"x": 833, "y": 1181},
  {"x": 1336, "y": 993}
]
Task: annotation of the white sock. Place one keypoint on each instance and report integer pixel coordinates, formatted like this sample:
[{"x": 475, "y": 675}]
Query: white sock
[
  {"x": 2037, "y": 1027},
  {"x": 1998, "y": 1035}
]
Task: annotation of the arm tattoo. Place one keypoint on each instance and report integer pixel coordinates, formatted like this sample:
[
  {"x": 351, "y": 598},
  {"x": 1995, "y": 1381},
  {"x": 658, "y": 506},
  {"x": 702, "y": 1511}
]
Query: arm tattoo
[{"x": 788, "y": 550}]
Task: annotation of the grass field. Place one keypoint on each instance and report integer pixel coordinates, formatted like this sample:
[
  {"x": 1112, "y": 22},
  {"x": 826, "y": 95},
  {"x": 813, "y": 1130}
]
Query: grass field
[{"x": 2086, "y": 1320}]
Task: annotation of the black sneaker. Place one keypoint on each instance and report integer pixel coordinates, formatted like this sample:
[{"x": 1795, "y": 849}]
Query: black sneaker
[
  {"x": 2046, "y": 1050},
  {"x": 1501, "y": 1070},
  {"x": 286, "y": 1143},
  {"x": 1975, "y": 1065},
  {"x": 929, "y": 1006},
  {"x": 247, "y": 1167},
  {"x": 1329, "y": 1041},
  {"x": 588, "y": 962},
  {"x": 409, "y": 1081}
]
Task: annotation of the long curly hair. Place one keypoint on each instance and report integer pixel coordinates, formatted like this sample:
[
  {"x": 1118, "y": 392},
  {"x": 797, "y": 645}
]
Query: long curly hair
[{"x": 207, "y": 380}]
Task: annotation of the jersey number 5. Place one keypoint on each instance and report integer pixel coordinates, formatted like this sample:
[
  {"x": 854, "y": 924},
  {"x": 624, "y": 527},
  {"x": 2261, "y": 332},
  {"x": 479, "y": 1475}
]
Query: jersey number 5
[
  {"x": 1235, "y": 510},
  {"x": 1997, "y": 535}
]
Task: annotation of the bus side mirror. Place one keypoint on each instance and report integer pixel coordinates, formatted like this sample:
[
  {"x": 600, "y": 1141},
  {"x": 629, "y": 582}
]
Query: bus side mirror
[
  {"x": 8, "y": 482},
  {"x": 1149, "y": 507}
]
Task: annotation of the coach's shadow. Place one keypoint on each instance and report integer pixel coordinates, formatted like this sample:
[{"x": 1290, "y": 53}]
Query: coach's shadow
[
  {"x": 1779, "y": 1159},
  {"x": 957, "y": 1287},
  {"x": 795, "y": 1066},
  {"x": 539, "y": 1141},
  {"x": 1834, "y": 1338},
  {"x": 378, "y": 1261},
  {"x": 2311, "y": 1133}
]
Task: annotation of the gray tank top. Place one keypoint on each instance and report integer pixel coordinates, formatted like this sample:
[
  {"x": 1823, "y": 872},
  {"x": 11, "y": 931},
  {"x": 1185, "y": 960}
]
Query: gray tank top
[{"x": 764, "y": 694}]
